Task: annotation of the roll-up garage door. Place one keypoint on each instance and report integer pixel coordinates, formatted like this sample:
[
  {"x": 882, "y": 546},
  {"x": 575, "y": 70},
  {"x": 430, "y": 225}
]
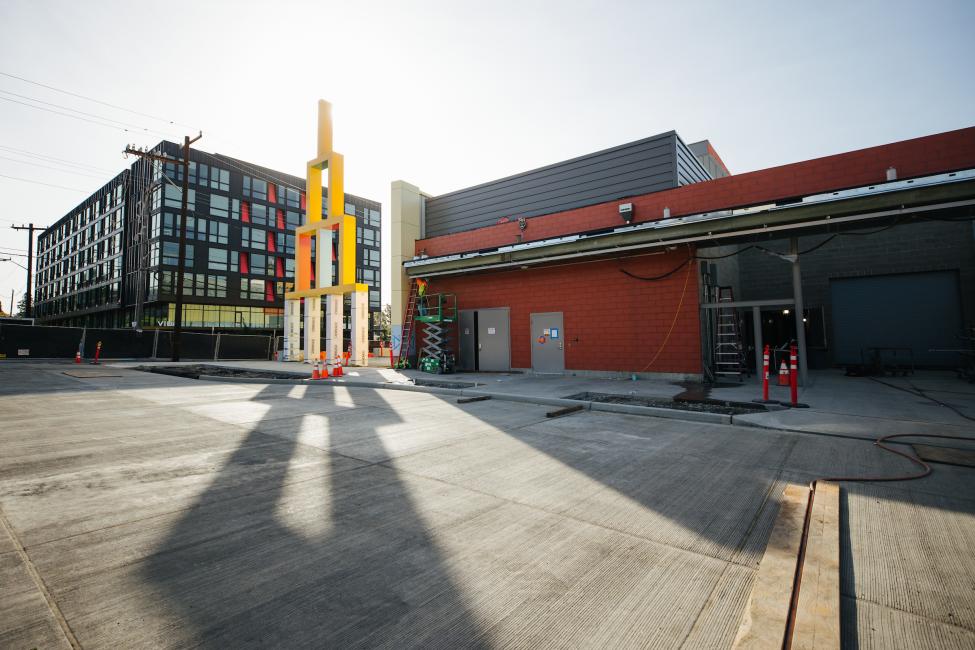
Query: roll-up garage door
[{"x": 920, "y": 311}]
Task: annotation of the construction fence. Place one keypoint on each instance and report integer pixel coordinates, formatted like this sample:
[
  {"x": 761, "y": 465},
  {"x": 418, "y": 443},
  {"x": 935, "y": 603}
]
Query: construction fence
[{"x": 42, "y": 342}]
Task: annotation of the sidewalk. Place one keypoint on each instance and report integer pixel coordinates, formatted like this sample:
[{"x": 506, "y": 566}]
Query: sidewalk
[{"x": 839, "y": 405}]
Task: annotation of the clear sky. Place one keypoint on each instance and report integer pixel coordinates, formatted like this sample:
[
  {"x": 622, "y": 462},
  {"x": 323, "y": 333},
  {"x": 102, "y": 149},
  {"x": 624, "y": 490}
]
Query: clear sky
[{"x": 449, "y": 94}]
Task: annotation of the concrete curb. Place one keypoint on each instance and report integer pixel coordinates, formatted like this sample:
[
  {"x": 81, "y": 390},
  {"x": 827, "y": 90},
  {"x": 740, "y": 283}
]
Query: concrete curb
[{"x": 627, "y": 409}]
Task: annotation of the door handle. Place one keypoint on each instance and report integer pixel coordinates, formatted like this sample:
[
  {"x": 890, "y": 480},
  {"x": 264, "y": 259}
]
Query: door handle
[{"x": 560, "y": 345}]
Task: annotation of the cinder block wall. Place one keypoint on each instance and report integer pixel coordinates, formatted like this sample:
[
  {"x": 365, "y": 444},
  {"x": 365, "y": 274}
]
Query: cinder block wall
[
  {"x": 908, "y": 248},
  {"x": 612, "y": 322}
]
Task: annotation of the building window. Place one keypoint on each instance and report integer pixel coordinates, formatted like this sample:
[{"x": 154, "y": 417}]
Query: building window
[
  {"x": 255, "y": 188},
  {"x": 253, "y": 238},
  {"x": 218, "y": 232},
  {"x": 260, "y": 214},
  {"x": 251, "y": 289},
  {"x": 216, "y": 286},
  {"x": 219, "y": 206},
  {"x": 170, "y": 254},
  {"x": 217, "y": 259}
]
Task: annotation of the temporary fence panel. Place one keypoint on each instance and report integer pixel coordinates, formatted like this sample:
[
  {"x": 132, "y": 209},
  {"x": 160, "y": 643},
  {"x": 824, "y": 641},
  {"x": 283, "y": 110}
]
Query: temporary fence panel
[{"x": 35, "y": 341}]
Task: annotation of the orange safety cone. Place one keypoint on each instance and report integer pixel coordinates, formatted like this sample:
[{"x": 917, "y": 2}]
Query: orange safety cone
[
  {"x": 338, "y": 368},
  {"x": 77, "y": 356},
  {"x": 783, "y": 374},
  {"x": 328, "y": 370},
  {"x": 314, "y": 370}
]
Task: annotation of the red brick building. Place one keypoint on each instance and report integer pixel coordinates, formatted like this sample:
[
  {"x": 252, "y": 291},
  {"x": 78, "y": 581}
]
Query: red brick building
[{"x": 574, "y": 239}]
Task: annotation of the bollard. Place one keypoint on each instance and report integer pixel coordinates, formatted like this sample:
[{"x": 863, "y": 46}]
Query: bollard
[
  {"x": 77, "y": 356},
  {"x": 765, "y": 373},
  {"x": 98, "y": 351},
  {"x": 793, "y": 375}
]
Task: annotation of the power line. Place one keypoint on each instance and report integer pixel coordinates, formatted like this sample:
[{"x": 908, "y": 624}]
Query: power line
[
  {"x": 78, "y": 117},
  {"x": 75, "y": 110},
  {"x": 92, "y": 99},
  {"x": 27, "y": 180},
  {"x": 66, "y": 171},
  {"x": 47, "y": 158}
]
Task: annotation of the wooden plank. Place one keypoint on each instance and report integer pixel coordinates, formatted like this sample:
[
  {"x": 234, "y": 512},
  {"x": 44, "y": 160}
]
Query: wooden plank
[
  {"x": 817, "y": 623},
  {"x": 946, "y": 455},
  {"x": 767, "y": 611}
]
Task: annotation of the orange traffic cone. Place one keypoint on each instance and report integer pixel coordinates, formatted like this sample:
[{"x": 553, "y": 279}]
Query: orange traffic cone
[
  {"x": 77, "y": 356},
  {"x": 314, "y": 370},
  {"x": 338, "y": 368},
  {"x": 783, "y": 374}
]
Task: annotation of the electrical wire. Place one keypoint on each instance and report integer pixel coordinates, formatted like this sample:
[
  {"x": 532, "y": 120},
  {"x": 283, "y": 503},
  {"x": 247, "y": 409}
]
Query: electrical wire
[
  {"x": 66, "y": 171},
  {"x": 673, "y": 323},
  {"x": 27, "y": 180},
  {"x": 92, "y": 99},
  {"x": 75, "y": 110},
  {"x": 46, "y": 158}
]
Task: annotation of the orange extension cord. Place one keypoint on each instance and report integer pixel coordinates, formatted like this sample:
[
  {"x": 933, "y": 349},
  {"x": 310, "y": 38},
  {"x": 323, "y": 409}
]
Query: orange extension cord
[{"x": 687, "y": 276}]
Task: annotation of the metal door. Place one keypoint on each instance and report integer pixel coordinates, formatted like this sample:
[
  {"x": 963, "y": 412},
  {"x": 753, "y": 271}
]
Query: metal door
[
  {"x": 467, "y": 340},
  {"x": 920, "y": 311},
  {"x": 548, "y": 353},
  {"x": 493, "y": 340}
]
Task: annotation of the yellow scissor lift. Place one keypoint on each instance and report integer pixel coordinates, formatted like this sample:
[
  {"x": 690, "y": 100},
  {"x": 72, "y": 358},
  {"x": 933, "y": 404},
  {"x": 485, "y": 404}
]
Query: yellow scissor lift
[{"x": 438, "y": 311}]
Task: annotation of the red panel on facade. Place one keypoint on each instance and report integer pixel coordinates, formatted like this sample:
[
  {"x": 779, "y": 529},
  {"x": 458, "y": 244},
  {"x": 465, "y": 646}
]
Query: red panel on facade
[
  {"x": 610, "y": 320},
  {"x": 272, "y": 193},
  {"x": 302, "y": 199},
  {"x": 279, "y": 267},
  {"x": 269, "y": 291},
  {"x": 933, "y": 154},
  {"x": 271, "y": 248},
  {"x": 280, "y": 219},
  {"x": 245, "y": 211},
  {"x": 244, "y": 266}
]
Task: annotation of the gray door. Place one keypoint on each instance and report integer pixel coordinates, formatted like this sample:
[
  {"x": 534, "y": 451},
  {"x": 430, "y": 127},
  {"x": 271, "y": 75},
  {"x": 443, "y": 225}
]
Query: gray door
[
  {"x": 548, "y": 337},
  {"x": 920, "y": 311},
  {"x": 467, "y": 340},
  {"x": 493, "y": 340}
]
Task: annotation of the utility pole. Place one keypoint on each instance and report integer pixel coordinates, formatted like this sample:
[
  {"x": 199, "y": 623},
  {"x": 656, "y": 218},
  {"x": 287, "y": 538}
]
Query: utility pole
[
  {"x": 30, "y": 263},
  {"x": 181, "y": 260}
]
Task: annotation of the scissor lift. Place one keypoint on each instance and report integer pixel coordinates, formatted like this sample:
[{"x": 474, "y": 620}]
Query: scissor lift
[{"x": 438, "y": 312}]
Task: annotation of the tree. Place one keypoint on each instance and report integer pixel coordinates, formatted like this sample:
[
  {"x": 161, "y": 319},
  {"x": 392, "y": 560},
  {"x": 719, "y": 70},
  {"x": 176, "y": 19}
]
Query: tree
[
  {"x": 386, "y": 323},
  {"x": 21, "y": 307}
]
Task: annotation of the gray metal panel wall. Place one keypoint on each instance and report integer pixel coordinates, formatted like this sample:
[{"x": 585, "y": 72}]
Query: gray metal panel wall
[
  {"x": 640, "y": 167},
  {"x": 689, "y": 170}
]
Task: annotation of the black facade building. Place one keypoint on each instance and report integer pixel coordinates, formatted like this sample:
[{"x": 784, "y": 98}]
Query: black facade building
[{"x": 112, "y": 261}]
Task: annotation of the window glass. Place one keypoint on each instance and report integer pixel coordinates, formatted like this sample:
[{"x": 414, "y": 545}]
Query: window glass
[
  {"x": 217, "y": 259},
  {"x": 219, "y": 205},
  {"x": 218, "y": 232}
]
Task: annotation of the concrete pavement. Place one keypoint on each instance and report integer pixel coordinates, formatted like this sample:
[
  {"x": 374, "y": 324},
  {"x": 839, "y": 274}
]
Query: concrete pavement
[{"x": 150, "y": 511}]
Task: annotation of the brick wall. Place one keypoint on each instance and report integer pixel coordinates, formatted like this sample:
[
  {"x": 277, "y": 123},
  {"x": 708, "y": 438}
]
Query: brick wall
[
  {"x": 918, "y": 157},
  {"x": 611, "y": 321}
]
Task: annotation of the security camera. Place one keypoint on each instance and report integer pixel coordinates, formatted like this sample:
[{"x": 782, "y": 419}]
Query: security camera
[{"x": 626, "y": 211}]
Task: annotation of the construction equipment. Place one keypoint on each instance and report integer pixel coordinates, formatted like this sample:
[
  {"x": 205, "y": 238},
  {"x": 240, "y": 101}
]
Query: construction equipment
[
  {"x": 729, "y": 349},
  {"x": 438, "y": 312}
]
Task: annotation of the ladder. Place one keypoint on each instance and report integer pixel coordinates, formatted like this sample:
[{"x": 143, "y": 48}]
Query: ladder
[
  {"x": 729, "y": 351},
  {"x": 406, "y": 341}
]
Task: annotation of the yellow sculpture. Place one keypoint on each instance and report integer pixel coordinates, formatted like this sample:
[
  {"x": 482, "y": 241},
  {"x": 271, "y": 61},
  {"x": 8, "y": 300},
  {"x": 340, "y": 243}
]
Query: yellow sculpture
[{"x": 309, "y": 291}]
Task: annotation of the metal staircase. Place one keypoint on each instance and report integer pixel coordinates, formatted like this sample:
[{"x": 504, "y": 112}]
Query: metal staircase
[{"x": 729, "y": 349}]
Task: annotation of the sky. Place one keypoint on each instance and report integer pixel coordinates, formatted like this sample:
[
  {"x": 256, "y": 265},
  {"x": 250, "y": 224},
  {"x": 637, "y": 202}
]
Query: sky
[{"x": 450, "y": 94}]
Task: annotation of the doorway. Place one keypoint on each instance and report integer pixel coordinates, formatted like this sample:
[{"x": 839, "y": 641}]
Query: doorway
[
  {"x": 484, "y": 344},
  {"x": 548, "y": 349}
]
